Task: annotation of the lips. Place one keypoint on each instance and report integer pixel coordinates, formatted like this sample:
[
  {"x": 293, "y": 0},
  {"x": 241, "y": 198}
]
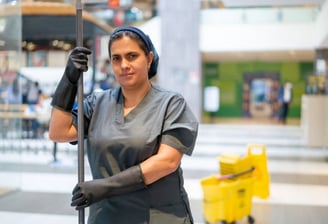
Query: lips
[{"x": 126, "y": 74}]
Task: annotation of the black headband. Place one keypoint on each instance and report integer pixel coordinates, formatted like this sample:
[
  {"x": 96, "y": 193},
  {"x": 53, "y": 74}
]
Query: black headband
[{"x": 145, "y": 38}]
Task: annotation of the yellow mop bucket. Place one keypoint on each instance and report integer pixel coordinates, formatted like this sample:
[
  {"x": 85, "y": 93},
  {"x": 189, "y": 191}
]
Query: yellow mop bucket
[
  {"x": 232, "y": 163},
  {"x": 226, "y": 199},
  {"x": 257, "y": 154}
]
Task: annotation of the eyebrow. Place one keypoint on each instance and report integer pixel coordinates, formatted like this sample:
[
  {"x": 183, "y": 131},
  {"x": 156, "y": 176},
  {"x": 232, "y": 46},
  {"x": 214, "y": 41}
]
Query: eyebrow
[{"x": 127, "y": 53}]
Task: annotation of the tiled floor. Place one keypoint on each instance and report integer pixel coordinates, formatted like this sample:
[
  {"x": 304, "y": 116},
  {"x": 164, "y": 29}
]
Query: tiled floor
[{"x": 298, "y": 176}]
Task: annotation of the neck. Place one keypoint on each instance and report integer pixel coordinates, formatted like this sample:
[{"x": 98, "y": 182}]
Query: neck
[{"x": 132, "y": 97}]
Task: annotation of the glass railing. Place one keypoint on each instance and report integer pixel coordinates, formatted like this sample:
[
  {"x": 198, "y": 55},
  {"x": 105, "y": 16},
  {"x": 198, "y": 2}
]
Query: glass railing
[
  {"x": 259, "y": 15},
  {"x": 10, "y": 93}
]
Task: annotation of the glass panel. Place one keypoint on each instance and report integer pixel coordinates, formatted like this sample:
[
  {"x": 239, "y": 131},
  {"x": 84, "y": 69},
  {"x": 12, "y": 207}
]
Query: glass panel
[
  {"x": 11, "y": 108},
  {"x": 259, "y": 15}
]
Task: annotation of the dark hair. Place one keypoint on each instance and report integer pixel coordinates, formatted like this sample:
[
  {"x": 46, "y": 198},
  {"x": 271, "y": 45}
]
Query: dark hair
[
  {"x": 119, "y": 35},
  {"x": 143, "y": 41}
]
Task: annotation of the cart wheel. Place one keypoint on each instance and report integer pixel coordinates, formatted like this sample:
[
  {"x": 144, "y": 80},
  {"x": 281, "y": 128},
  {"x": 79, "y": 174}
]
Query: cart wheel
[{"x": 251, "y": 220}]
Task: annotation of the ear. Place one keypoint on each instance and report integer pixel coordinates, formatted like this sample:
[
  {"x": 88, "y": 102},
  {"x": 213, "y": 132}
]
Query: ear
[{"x": 150, "y": 58}]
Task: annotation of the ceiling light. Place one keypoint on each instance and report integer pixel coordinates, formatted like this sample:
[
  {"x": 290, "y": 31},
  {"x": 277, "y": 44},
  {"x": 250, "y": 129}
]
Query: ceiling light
[{"x": 30, "y": 46}]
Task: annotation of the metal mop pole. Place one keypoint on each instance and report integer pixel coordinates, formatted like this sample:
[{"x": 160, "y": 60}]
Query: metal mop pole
[{"x": 80, "y": 97}]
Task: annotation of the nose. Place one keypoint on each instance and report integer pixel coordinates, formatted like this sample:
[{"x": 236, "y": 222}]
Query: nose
[{"x": 125, "y": 63}]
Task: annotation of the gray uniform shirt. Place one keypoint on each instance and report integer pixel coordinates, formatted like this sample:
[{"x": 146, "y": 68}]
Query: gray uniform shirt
[{"x": 115, "y": 143}]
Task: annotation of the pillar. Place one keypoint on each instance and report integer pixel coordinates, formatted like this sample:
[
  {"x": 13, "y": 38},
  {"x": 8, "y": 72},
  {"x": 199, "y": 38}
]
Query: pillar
[{"x": 180, "y": 58}]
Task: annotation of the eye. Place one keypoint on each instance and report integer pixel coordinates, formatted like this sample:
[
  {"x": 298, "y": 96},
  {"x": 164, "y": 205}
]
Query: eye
[
  {"x": 132, "y": 56},
  {"x": 115, "y": 58}
]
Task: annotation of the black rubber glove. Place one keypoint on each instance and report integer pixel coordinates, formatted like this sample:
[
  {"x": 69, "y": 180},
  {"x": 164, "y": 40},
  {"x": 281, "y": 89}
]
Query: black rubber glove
[
  {"x": 66, "y": 90},
  {"x": 87, "y": 193}
]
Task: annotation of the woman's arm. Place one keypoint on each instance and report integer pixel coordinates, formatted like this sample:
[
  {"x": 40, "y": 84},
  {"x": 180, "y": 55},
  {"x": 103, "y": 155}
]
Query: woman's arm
[
  {"x": 134, "y": 178},
  {"x": 166, "y": 161},
  {"x": 61, "y": 128}
]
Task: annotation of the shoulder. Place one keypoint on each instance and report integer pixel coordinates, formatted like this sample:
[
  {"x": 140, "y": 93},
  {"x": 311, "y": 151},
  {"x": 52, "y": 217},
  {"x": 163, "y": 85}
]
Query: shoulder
[
  {"x": 172, "y": 101},
  {"x": 166, "y": 94},
  {"x": 100, "y": 94},
  {"x": 109, "y": 96}
]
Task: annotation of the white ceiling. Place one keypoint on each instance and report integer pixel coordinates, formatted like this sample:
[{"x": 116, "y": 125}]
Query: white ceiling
[{"x": 302, "y": 55}]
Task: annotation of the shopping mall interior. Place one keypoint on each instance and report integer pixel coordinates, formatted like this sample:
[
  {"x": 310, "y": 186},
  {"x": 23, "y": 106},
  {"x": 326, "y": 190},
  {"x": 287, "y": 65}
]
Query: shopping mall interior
[{"x": 228, "y": 58}]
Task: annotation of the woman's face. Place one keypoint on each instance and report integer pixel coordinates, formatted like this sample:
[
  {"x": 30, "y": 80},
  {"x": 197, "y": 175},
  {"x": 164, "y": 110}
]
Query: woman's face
[{"x": 129, "y": 62}]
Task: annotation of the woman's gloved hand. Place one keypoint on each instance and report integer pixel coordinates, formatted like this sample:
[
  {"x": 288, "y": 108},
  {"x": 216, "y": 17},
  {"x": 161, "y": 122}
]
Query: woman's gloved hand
[
  {"x": 89, "y": 192},
  {"x": 66, "y": 90},
  {"x": 77, "y": 63}
]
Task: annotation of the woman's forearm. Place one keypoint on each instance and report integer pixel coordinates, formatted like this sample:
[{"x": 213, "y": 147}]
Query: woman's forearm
[
  {"x": 166, "y": 161},
  {"x": 61, "y": 128}
]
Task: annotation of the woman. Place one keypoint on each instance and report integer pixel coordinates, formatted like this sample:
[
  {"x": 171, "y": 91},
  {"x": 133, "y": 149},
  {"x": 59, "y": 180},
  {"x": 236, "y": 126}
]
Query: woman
[{"x": 137, "y": 134}]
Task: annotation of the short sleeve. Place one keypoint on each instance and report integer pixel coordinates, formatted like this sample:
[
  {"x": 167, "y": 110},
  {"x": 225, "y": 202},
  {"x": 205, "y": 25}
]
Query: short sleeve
[{"x": 180, "y": 126}]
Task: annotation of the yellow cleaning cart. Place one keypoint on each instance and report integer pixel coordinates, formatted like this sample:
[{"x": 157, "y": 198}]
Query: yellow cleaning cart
[{"x": 227, "y": 196}]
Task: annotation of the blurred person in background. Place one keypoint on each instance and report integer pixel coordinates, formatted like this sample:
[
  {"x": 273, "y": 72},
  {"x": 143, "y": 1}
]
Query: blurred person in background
[
  {"x": 14, "y": 93},
  {"x": 285, "y": 96},
  {"x": 108, "y": 81},
  {"x": 31, "y": 124},
  {"x": 33, "y": 93},
  {"x": 137, "y": 134}
]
